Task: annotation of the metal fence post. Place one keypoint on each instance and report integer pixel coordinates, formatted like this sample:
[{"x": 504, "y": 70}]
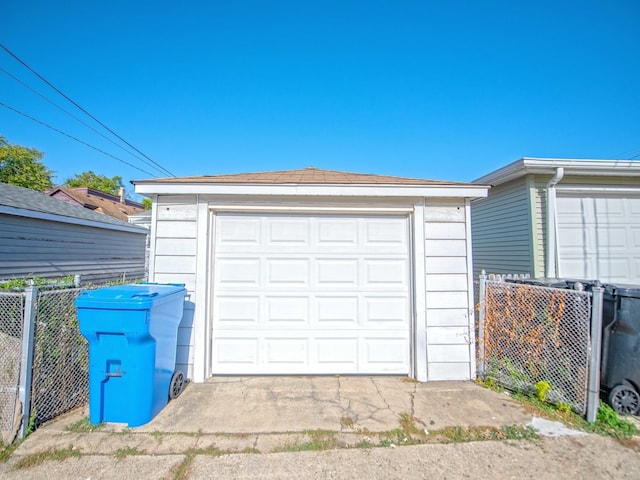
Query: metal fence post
[
  {"x": 26, "y": 361},
  {"x": 481, "y": 319},
  {"x": 593, "y": 394}
]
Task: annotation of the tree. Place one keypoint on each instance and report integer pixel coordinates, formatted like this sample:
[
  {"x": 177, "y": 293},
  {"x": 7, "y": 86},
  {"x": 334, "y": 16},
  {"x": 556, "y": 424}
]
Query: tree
[
  {"x": 21, "y": 166},
  {"x": 147, "y": 202},
  {"x": 98, "y": 182}
]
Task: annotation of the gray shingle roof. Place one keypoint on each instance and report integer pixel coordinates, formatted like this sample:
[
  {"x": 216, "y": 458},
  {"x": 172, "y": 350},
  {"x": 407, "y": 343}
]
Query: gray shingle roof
[{"x": 27, "y": 199}]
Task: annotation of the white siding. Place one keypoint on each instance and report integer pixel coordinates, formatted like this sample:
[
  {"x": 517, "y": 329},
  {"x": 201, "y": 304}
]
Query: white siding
[
  {"x": 174, "y": 261},
  {"x": 502, "y": 230},
  {"x": 449, "y": 346}
]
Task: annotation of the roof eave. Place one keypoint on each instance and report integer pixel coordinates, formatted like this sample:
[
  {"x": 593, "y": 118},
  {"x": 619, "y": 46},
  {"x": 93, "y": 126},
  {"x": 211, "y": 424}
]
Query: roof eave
[
  {"x": 585, "y": 167},
  {"x": 363, "y": 190}
]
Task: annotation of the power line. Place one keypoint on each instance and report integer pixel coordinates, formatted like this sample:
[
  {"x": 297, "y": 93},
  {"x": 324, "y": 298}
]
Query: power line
[
  {"x": 82, "y": 109},
  {"x": 73, "y": 138},
  {"x": 72, "y": 116}
]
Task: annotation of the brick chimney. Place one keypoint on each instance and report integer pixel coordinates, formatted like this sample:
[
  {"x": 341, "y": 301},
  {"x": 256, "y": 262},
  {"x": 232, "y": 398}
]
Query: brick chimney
[{"x": 121, "y": 194}]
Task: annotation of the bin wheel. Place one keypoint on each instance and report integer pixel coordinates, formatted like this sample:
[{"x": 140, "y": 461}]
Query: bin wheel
[
  {"x": 624, "y": 400},
  {"x": 177, "y": 384}
]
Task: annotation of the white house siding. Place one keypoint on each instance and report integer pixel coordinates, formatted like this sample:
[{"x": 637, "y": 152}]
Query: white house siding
[
  {"x": 174, "y": 249},
  {"x": 33, "y": 247},
  {"x": 449, "y": 310},
  {"x": 502, "y": 241}
]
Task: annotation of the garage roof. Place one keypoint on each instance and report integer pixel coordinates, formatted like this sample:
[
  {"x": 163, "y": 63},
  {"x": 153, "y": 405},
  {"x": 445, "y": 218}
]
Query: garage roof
[
  {"x": 525, "y": 166},
  {"x": 329, "y": 182}
]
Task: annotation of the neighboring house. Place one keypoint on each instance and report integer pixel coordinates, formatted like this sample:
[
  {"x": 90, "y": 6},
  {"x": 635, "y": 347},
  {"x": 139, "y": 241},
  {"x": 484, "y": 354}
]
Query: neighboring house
[
  {"x": 44, "y": 237},
  {"x": 318, "y": 272},
  {"x": 560, "y": 218},
  {"x": 116, "y": 206}
]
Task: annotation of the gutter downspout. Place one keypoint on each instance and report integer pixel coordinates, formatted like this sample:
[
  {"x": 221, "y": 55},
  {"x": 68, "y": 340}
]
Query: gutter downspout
[{"x": 553, "y": 269}]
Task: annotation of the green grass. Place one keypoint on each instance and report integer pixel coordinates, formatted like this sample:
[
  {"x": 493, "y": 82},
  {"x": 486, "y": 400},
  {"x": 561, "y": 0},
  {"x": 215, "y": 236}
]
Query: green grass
[
  {"x": 608, "y": 422},
  {"x": 35, "y": 459},
  {"x": 84, "y": 426},
  {"x": 320, "y": 440},
  {"x": 128, "y": 451}
]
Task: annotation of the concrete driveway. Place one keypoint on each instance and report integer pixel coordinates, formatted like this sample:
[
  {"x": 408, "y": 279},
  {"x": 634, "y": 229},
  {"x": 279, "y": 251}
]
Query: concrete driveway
[
  {"x": 267, "y": 414},
  {"x": 259, "y": 405},
  {"x": 307, "y": 425}
]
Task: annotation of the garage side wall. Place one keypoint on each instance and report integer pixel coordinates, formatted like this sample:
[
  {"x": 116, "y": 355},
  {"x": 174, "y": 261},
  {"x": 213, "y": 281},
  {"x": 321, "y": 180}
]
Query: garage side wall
[
  {"x": 449, "y": 316},
  {"x": 173, "y": 257}
]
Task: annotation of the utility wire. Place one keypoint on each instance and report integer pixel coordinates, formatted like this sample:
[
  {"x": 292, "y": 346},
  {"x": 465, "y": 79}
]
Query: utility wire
[
  {"x": 73, "y": 116},
  {"x": 82, "y": 109},
  {"x": 73, "y": 138}
]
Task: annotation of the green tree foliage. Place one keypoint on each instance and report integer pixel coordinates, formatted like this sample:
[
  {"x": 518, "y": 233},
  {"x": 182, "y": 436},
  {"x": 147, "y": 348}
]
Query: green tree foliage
[
  {"x": 21, "y": 166},
  {"x": 98, "y": 182},
  {"x": 147, "y": 203}
]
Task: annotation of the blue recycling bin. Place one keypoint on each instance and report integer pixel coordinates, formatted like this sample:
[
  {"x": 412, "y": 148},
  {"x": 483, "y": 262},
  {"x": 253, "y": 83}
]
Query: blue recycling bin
[{"x": 132, "y": 334}]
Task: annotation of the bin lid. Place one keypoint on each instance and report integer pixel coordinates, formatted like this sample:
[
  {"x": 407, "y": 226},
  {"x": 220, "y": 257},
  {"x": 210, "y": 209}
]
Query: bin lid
[
  {"x": 627, "y": 291},
  {"x": 138, "y": 297}
]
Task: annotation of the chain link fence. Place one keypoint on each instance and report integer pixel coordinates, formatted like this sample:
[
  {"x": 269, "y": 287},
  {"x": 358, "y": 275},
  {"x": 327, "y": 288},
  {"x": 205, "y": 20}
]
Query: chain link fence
[
  {"x": 44, "y": 360},
  {"x": 530, "y": 334},
  {"x": 60, "y": 357},
  {"x": 11, "y": 314}
]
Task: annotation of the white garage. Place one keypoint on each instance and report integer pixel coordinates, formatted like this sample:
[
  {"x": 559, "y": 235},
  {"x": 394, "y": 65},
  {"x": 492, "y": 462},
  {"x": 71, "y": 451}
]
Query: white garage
[{"x": 314, "y": 272}]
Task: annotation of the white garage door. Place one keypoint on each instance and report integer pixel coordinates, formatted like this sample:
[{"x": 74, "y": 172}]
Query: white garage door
[
  {"x": 599, "y": 237},
  {"x": 320, "y": 294}
]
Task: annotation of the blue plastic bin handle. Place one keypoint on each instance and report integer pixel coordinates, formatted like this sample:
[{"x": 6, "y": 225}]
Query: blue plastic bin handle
[{"x": 154, "y": 294}]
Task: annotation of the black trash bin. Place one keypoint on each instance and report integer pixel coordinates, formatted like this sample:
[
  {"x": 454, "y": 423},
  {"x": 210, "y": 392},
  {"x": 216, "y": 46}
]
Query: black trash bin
[{"x": 620, "y": 367}]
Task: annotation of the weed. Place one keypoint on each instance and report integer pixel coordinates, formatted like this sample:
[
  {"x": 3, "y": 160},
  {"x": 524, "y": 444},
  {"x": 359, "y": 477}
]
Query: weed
[
  {"x": 320, "y": 440},
  {"x": 346, "y": 422},
  {"x": 211, "y": 451},
  {"x": 608, "y": 422},
  {"x": 182, "y": 471},
  {"x": 84, "y": 426},
  {"x": 157, "y": 435},
  {"x": 542, "y": 389},
  {"x": 365, "y": 443},
  {"x": 7, "y": 450},
  {"x": 128, "y": 451},
  {"x": 251, "y": 450},
  {"x": 490, "y": 383},
  {"x": 50, "y": 454}
]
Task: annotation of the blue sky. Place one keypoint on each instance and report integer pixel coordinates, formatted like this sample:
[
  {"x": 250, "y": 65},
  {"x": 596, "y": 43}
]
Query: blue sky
[{"x": 441, "y": 90}]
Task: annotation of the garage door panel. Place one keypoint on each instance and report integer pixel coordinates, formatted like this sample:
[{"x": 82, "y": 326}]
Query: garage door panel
[
  {"x": 318, "y": 294},
  {"x": 243, "y": 272},
  {"x": 283, "y": 272},
  {"x": 236, "y": 351},
  {"x": 337, "y": 232},
  {"x": 241, "y": 230},
  {"x": 337, "y": 312},
  {"x": 385, "y": 312},
  {"x": 286, "y": 351},
  {"x": 385, "y": 354},
  {"x": 337, "y": 352},
  {"x": 288, "y": 232},
  {"x": 234, "y": 311},
  {"x": 386, "y": 232},
  {"x": 337, "y": 272},
  {"x": 287, "y": 312},
  {"x": 386, "y": 273}
]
